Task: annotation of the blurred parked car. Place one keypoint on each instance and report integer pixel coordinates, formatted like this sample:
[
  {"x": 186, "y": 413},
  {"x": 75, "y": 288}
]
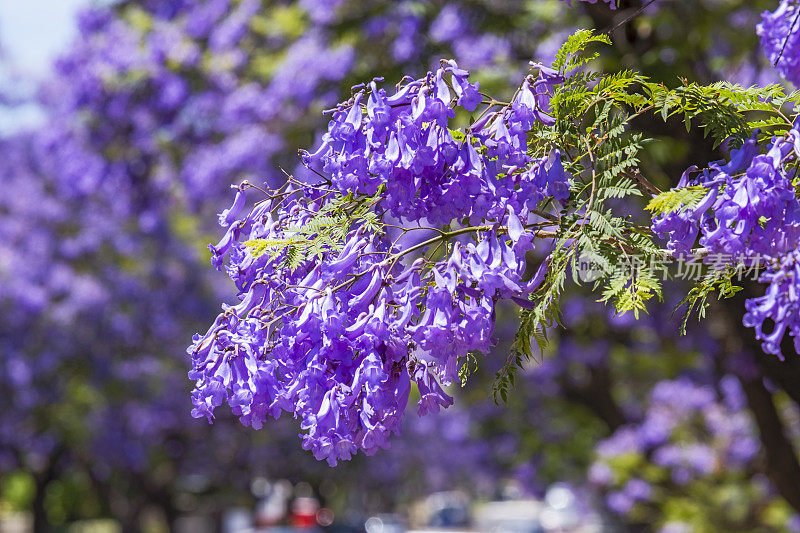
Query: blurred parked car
[
  {"x": 514, "y": 516},
  {"x": 385, "y": 523},
  {"x": 448, "y": 510}
]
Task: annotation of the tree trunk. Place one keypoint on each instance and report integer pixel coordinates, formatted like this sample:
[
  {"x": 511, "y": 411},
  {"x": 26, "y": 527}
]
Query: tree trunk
[
  {"x": 782, "y": 466},
  {"x": 42, "y": 479},
  {"x": 596, "y": 396},
  {"x": 40, "y": 522}
]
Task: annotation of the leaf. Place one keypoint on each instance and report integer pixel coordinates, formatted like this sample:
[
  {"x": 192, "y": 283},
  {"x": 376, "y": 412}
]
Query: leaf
[
  {"x": 696, "y": 300},
  {"x": 674, "y": 200},
  {"x": 571, "y": 53},
  {"x": 259, "y": 247}
]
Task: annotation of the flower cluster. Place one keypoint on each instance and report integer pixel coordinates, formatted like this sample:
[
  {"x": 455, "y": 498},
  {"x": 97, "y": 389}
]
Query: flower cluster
[
  {"x": 191, "y": 109},
  {"x": 105, "y": 327},
  {"x": 780, "y": 304},
  {"x": 780, "y": 38},
  {"x": 337, "y": 318},
  {"x": 403, "y": 142},
  {"x": 688, "y": 434},
  {"x": 204, "y": 92},
  {"x": 749, "y": 212},
  {"x": 170, "y": 96},
  {"x": 195, "y": 95}
]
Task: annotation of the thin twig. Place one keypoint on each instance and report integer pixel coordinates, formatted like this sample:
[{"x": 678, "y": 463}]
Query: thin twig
[
  {"x": 629, "y": 18},
  {"x": 644, "y": 184},
  {"x": 788, "y": 36}
]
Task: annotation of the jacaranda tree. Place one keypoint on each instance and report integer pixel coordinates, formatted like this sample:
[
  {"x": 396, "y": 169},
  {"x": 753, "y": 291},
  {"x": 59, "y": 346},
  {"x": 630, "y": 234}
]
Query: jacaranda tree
[
  {"x": 385, "y": 265},
  {"x": 426, "y": 207}
]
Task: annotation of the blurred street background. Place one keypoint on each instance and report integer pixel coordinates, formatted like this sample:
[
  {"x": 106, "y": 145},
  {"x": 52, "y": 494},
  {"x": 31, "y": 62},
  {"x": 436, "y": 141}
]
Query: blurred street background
[{"x": 123, "y": 125}]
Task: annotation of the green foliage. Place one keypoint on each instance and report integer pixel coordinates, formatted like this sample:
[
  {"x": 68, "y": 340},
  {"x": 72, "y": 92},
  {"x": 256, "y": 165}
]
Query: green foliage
[
  {"x": 17, "y": 489},
  {"x": 602, "y": 150},
  {"x": 631, "y": 286},
  {"x": 467, "y": 366},
  {"x": 594, "y": 115},
  {"x": 676, "y": 200},
  {"x": 280, "y": 21},
  {"x": 594, "y": 132},
  {"x": 715, "y": 281},
  {"x": 572, "y": 53},
  {"x": 533, "y": 326},
  {"x": 324, "y": 233},
  {"x": 725, "y": 110}
]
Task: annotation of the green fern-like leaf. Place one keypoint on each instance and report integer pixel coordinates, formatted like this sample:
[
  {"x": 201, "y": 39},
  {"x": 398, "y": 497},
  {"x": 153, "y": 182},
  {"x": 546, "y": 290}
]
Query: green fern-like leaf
[
  {"x": 258, "y": 247},
  {"x": 573, "y": 52},
  {"x": 676, "y": 200}
]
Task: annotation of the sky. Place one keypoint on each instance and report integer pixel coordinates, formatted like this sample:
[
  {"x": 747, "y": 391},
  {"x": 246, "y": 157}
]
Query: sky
[{"x": 32, "y": 33}]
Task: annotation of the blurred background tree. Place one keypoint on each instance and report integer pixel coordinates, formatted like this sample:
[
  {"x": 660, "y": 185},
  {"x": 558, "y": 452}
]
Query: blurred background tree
[{"x": 159, "y": 106}]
